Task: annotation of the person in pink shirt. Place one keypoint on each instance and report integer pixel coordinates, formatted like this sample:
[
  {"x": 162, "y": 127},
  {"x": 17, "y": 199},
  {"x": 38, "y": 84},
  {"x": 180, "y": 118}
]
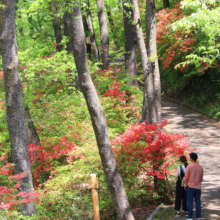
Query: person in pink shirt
[{"x": 193, "y": 178}]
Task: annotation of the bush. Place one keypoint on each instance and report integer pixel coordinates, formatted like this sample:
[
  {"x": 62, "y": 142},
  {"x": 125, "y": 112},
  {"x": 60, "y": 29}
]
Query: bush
[
  {"x": 188, "y": 49},
  {"x": 144, "y": 152}
]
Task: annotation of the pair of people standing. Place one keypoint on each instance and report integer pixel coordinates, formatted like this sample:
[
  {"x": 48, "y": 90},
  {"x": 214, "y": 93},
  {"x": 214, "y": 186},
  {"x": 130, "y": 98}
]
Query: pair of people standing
[{"x": 193, "y": 176}]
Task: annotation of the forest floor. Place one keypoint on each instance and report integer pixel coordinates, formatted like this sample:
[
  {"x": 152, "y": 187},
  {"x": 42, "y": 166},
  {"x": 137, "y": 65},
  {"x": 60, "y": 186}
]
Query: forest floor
[{"x": 204, "y": 135}]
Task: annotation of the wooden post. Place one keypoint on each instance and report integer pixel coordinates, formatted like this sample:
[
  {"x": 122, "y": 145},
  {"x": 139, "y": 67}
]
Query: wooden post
[
  {"x": 93, "y": 185},
  {"x": 94, "y": 199}
]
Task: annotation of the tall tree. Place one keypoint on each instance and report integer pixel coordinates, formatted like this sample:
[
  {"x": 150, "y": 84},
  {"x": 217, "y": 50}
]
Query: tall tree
[
  {"x": 104, "y": 34},
  {"x": 66, "y": 21},
  {"x": 92, "y": 32},
  {"x": 112, "y": 26},
  {"x": 130, "y": 42},
  {"x": 151, "y": 45},
  {"x": 149, "y": 109},
  {"x": 14, "y": 105},
  {"x": 32, "y": 135},
  {"x": 114, "y": 181},
  {"x": 87, "y": 35},
  {"x": 56, "y": 26},
  {"x": 166, "y": 3}
]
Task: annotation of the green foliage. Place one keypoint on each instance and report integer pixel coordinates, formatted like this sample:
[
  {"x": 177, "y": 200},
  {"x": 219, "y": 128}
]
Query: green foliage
[
  {"x": 2, "y": 6},
  {"x": 204, "y": 22},
  {"x": 121, "y": 102},
  {"x": 59, "y": 111},
  {"x": 35, "y": 35},
  {"x": 188, "y": 49}
]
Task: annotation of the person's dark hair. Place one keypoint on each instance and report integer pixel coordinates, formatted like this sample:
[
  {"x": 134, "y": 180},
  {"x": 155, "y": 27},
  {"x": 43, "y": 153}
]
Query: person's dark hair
[
  {"x": 184, "y": 160},
  {"x": 194, "y": 156}
]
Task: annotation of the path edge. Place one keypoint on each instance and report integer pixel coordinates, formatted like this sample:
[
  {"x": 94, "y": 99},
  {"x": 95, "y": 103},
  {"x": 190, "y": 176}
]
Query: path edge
[{"x": 154, "y": 212}]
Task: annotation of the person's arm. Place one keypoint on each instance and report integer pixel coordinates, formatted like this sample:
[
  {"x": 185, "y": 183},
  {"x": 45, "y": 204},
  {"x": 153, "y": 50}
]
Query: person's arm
[
  {"x": 178, "y": 172},
  {"x": 202, "y": 175},
  {"x": 187, "y": 174}
]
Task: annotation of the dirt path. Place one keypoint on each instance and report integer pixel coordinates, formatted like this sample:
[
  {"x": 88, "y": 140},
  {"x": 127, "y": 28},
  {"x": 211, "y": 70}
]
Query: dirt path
[{"x": 205, "y": 137}]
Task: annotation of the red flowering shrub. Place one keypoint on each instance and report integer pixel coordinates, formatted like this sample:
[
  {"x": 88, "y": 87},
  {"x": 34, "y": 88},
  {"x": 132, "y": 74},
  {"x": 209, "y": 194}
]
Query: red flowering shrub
[
  {"x": 121, "y": 102},
  {"x": 116, "y": 92},
  {"x": 147, "y": 150},
  {"x": 10, "y": 197},
  {"x": 175, "y": 44},
  {"x": 48, "y": 155}
]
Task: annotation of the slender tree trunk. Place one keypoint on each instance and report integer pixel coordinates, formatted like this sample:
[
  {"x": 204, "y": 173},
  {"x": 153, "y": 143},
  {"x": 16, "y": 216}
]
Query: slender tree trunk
[
  {"x": 147, "y": 70},
  {"x": 114, "y": 181},
  {"x": 104, "y": 34},
  {"x": 151, "y": 45},
  {"x": 32, "y": 135},
  {"x": 166, "y": 3},
  {"x": 130, "y": 43},
  {"x": 87, "y": 35},
  {"x": 30, "y": 22},
  {"x": 67, "y": 31},
  {"x": 14, "y": 105},
  {"x": 92, "y": 32},
  {"x": 145, "y": 108},
  {"x": 112, "y": 26},
  {"x": 56, "y": 26}
]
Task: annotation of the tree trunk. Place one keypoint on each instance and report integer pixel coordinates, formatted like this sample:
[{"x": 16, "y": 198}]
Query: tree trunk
[
  {"x": 112, "y": 26},
  {"x": 145, "y": 108},
  {"x": 32, "y": 135},
  {"x": 56, "y": 26},
  {"x": 130, "y": 43},
  {"x": 30, "y": 22},
  {"x": 114, "y": 181},
  {"x": 166, "y": 3},
  {"x": 104, "y": 34},
  {"x": 87, "y": 35},
  {"x": 67, "y": 31},
  {"x": 14, "y": 105},
  {"x": 147, "y": 70},
  {"x": 92, "y": 33},
  {"x": 151, "y": 45}
]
